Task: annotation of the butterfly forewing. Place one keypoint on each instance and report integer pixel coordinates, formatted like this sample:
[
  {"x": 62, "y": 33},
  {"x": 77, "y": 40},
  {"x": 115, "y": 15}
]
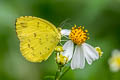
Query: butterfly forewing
[{"x": 38, "y": 38}]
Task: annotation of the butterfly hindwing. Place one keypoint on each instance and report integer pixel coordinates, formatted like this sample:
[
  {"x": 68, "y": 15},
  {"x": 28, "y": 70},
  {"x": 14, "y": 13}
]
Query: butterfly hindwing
[{"x": 38, "y": 38}]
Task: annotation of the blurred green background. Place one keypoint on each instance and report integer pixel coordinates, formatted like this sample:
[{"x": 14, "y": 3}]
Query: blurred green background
[{"x": 100, "y": 17}]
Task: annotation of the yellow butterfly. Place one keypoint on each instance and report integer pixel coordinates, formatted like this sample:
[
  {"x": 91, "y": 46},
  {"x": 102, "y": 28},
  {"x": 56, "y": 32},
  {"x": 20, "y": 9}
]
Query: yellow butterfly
[{"x": 38, "y": 38}]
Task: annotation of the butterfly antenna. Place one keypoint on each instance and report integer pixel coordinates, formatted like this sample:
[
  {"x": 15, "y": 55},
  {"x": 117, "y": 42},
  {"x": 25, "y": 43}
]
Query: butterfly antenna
[{"x": 62, "y": 24}]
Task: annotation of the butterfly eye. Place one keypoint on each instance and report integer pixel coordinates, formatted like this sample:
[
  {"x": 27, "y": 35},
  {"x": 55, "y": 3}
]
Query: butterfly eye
[{"x": 59, "y": 29}]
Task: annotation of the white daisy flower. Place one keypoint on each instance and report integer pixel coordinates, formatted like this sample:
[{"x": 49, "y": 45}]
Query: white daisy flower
[
  {"x": 114, "y": 61},
  {"x": 76, "y": 49}
]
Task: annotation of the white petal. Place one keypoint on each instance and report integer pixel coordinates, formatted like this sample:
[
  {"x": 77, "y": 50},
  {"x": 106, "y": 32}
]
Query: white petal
[
  {"x": 68, "y": 49},
  {"x": 90, "y": 53},
  {"x": 78, "y": 60},
  {"x": 115, "y": 53},
  {"x": 65, "y": 32},
  {"x": 114, "y": 67}
]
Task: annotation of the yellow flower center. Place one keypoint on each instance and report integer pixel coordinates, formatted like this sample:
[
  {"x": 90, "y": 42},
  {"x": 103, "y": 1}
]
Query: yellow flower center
[
  {"x": 99, "y": 51},
  {"x": 78, "y": 35},
  {"x": 116, "y": 60}
]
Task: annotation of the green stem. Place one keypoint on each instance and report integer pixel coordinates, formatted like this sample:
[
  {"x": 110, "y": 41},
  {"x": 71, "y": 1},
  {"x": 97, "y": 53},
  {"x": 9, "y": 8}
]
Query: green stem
[
  {"x": 63, "y": 73},
  {"x": 60, "y": 73}
]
